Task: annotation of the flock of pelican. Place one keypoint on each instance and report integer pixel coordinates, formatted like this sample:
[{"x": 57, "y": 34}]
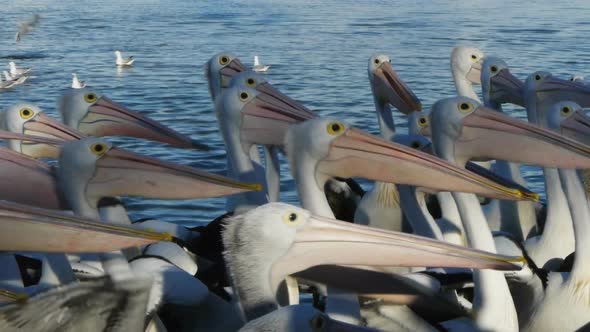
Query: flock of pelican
[{"x": 448, "y": 238}]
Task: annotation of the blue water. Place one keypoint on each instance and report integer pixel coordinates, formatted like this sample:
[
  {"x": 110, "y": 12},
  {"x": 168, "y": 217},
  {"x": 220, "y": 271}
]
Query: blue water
[{"x": 318, "y": 49}]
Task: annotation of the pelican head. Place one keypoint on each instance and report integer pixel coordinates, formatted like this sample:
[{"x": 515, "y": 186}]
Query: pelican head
[
  {"x": 266, "y": 244},
  {"x": 96, "y": 115},
  {"x": 388, "y": 88},
  {"x": 219, "y": 70},
  {"x": 466, "y": 63},
  {"x": 419, "y": 123},
  {"x": 250, "y": 79},
  {"x": 499, "y": 86},
  {"x": 328, "y": 148},
  {"x": 542, "y": 90},
  {"x": 28, "y": 119},
  {"x": 462, "y": 130},
  {"x": 258, "y": 116},
  {"x": 570, "y": 119},
  {"x": 92, "y": 168}
]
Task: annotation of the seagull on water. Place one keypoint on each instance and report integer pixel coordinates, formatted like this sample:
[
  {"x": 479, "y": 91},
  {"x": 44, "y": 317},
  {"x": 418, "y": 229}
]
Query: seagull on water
[{"x": 123, "y": 62}]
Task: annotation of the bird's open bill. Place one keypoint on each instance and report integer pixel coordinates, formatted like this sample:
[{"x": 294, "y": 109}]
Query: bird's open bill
[
  {"x": 507, "y": 88},
  {"x": 119, "y": 173},
  {"x": 45, "y": 126},
  {"x": 358, "y": 154},
  {"x": 577, "y": 126},
  {"x": 107, "y": 118},
  {"x": 324, "y": 241},
  {"x": 266, "y": 118},
  {"x": 27, "y": 228},
  {"x": 399, "y": 94},
  {"x": 488, "y": 134}
]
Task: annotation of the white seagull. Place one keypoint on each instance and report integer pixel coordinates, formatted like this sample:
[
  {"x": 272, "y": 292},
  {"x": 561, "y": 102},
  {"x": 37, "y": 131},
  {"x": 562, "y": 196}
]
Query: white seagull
[
  {"x": 258, "y": 67},
  {"x": 123, "y": 62},
  {"x": 76, "y": 83}
]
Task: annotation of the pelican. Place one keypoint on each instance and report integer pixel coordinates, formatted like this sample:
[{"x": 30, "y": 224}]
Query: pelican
[
  {"x": 240, "y": 111},
  {"x": 564, "y": 305},
  {"x": 29, "y": 119},
  {"x": 380, "y": 206},
  {"x": 16, "y": 72},
  {"x": 219, "y": 70},
  {"x": 123, "y": 62},
  {"x": 321, "y": 148},
  {"x": 94, "y": 114},
  {"x": 259, "y": 68},
  {"x": 98, "y": 304},
  {"x": 91, "y": 169},
  {"x": 76, "y": 83},
  {"x": 541, "y": 92},
  {"x": 464, "y": 130},
  {"x": 466, "y": 69},
  {"x": 259, "y": 260},
  {"x": 499, "y": 86}
]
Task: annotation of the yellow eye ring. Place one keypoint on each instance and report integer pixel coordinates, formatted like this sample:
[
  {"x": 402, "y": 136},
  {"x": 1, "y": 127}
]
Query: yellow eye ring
[
  {"x": 90, "y": 97},
  {"x": 292, "y": 218},
  {"x": 473, "y": 57},
  {"x": 244, "y": 96},
  {"x": 98, "y": 149},
  {"x": 423, "y": 121},
  {"x": 251, "y": 82},
  {"x": 566, "y": 111},
  {"x": 223, "y": 60},
  {"x": 335, "y": 128},
  {"x": 465, "y": 107},
  {"x": 26, "y": 113}
]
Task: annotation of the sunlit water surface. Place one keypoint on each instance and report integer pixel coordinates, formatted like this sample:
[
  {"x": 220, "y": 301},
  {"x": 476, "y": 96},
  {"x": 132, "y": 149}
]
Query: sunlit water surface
[{"x": 318, "y": 49}]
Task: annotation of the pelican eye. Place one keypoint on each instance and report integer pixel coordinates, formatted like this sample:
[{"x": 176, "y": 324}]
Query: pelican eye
[
  {"x": 26, "y": 113},
  {"x": 415, "y": 145},
  {"x": 90, "y": 97},
  {"x": 291, "y": 218},
  {"x": 224, "y": 60},
  {"x": 335, "y": 128},
  {"x": 465, "y": 107},
  {"x": 98, "y": 148},
  {"x": 473, "y": 57},
  {"x": 494, "y": 69},
  {"x": 422, "y": 121},
  {"x": 537, "y": 77},
  {"x": 244, "y": 96},
  {"x": 318, "y": 322},
  {"x": 250, "y": 82},
  {"x": 377, "y": 61},
  {"x": 566, "y": 110}
]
